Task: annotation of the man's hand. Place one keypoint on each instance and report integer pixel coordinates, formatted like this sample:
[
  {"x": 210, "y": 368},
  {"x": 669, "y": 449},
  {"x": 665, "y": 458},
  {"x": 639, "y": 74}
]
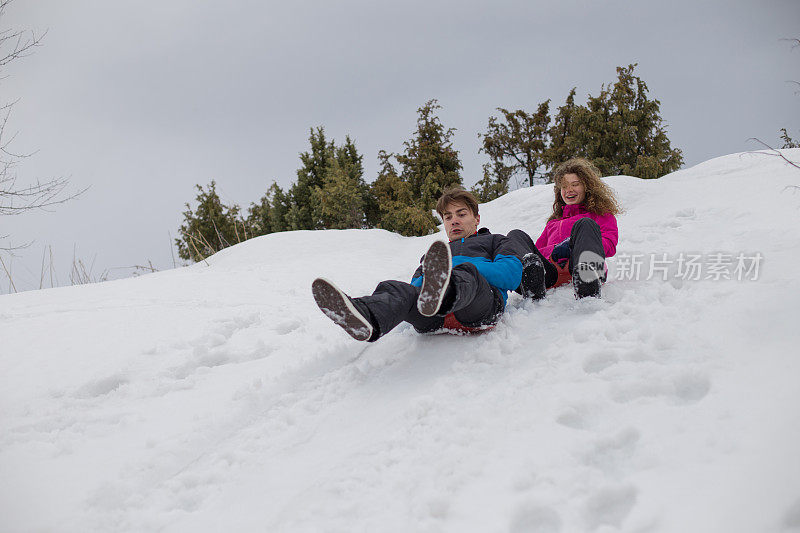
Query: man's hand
[{"x": 561, "y": 252}]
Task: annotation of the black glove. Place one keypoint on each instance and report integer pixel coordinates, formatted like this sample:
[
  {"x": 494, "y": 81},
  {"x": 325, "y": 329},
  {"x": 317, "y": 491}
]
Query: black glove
[{"x": 561, "y": 252}]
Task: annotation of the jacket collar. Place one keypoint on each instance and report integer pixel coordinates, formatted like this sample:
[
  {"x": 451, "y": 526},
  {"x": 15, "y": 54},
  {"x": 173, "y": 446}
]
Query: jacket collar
[
  {"x": 481, "y": 231},
  {"x": 572, "y": 210}
]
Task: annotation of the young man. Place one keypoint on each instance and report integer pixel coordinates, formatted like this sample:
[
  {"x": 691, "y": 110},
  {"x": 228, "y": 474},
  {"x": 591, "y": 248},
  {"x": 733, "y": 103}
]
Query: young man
[{"x": 461, "y": 285}]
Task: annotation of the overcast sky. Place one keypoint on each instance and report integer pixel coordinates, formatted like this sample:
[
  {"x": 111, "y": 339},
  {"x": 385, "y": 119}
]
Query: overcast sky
[{"x": 140, "y": 101}]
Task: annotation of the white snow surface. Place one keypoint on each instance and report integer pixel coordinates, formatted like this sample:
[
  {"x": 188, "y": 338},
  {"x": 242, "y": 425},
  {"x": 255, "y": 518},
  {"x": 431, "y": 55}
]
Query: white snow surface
[{"x": 218, "y": 397}]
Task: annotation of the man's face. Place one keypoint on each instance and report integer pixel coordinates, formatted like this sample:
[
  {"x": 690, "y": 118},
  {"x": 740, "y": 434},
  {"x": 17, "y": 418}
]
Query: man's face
[{"x": 459, "y": 222}]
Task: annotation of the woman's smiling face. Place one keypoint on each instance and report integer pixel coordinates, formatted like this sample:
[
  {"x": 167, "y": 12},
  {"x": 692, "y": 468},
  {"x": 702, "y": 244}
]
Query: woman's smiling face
[{"x": 572, "y": 189}]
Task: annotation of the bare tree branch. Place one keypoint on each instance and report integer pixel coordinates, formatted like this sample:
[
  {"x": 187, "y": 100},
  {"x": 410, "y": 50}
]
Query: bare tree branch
[
  {"x": 774, "y": 152},
  {"x": 16, "y": 44},
  {"x": 42, "y": 195},
  {"x": 12, "y": 249},
  {"x": 795, "y": 42},
  {"x": 14, "y": 198},
  {"x": 8, "y": 274}
]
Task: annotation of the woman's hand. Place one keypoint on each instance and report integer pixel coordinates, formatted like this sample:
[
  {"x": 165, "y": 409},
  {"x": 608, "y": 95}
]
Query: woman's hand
[{"x": 561, "y": 252}]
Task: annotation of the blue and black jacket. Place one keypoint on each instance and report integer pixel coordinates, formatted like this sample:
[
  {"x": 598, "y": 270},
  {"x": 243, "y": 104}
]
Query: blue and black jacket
[{"x": 495, "y": 256}]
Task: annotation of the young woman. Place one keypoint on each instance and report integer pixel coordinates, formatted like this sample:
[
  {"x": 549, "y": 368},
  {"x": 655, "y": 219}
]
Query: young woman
[{"x": 578, "y": 236}]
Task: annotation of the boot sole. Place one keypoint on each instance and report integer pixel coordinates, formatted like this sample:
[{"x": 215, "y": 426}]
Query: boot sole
[
  {"x": 533, "y": 280},
  {"x": 338, "y": 307},
  {"x": 583, "y": 288},
  {"x": 436, "y": 269}
]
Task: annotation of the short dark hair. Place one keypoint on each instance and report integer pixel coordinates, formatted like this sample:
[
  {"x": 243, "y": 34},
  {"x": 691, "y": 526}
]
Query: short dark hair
[{"x": 456, "y": 195}]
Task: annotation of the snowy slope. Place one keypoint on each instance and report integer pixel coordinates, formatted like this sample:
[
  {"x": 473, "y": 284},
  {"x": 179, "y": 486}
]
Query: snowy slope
[{"x": 218, "y": 398}]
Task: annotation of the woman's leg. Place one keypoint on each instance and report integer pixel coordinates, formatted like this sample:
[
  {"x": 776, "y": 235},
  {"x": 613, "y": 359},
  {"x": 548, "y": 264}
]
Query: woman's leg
[
  {"x": 586, "y": 244},
  {"x": 587, "y": 258},
  {"x": 530, "y": 266}
]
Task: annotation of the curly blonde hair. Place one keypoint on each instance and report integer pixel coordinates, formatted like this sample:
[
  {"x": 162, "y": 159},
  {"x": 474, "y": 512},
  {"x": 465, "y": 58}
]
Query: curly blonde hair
[{"x": 599, "y": 196}]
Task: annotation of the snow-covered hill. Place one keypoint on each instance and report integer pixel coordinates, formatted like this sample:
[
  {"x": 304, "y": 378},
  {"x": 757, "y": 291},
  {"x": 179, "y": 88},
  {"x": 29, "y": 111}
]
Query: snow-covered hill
[{"x": 218, "y": 398}]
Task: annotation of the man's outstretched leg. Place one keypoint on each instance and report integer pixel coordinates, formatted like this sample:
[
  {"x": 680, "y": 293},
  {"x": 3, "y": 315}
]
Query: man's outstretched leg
[{"x": 369, "y": 317}]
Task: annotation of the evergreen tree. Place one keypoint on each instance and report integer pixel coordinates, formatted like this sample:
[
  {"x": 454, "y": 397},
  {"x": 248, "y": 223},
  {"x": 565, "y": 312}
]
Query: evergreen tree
[
  {"x": 211, "y": 227},
  {"x": 620, "y": 131},
  {"x": 372, "y": 210},
  {"x": 516, "y": 145},
  {"x": 398, "y": 209},
  {"x": 429, "y": 164},
  {"x": 269, "y": 214},
  {"x": 280, "y": 207},
  {"x": 310, "y": 176},
  {"x": 562, "y": 141},
  {"x": 494, "y": 183},
  {"x": 330, "y": 191},
  {"x": 348, "y": 158},
  {"x": 339, "y": 203},
  {"x": 259, "y": 217}
]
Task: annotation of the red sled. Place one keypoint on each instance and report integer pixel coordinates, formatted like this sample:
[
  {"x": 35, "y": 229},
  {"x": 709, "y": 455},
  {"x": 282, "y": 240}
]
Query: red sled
[
  {"x": 454, "y": 327},
  {"x": 564, "y": 276}
]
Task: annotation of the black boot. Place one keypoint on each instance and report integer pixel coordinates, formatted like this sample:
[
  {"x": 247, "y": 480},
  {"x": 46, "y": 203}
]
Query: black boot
[
  {"x": 586, "y": 279},
  {"x": 533, "y": 277}
]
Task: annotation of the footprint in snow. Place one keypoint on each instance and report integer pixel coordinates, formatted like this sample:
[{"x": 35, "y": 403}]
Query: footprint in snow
[
  {"x": 288, "y": 326},
  {"x": 240, "y": 322},
  {"x": 579, "y": 416},
  {"x": 202, "y": 357},
  {"x": 599, "y": 361},
  {"x": 691, "y": 387},
  {"x": 535, "y": 517},
  {"x": 101, "y": 387},
  {"x": 664, "y": 341},
  {"x": 687, "y": 387},
  {"x": 609, "y": 506},
  {"x": 610, "y": 454}
]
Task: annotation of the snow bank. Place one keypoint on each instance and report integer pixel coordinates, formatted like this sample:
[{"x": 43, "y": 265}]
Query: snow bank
[{"x": 218, "y": 398}]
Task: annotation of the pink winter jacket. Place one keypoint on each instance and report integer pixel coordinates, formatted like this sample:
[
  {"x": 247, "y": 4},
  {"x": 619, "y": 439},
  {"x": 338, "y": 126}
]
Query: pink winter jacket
[{"x": 559, "y": 229}]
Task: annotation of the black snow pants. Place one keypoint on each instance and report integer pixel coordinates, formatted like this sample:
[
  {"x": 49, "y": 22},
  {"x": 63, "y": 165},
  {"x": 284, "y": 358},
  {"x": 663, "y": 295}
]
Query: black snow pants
[
  {"x": 469, "y": 297},
  {"x": 586, "y": 244}
]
